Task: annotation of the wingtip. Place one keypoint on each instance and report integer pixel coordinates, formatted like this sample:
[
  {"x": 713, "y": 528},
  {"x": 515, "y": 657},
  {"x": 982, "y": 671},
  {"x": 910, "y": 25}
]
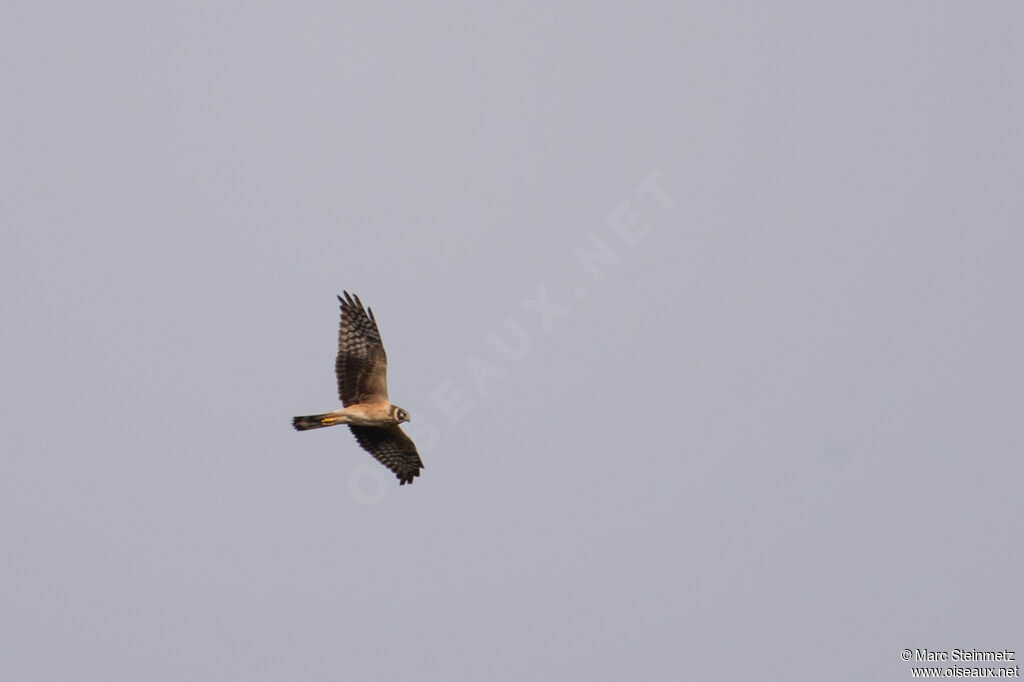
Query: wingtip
[
  {"x": 408, "y": 478},
  {"x": 350, "y": 299}
]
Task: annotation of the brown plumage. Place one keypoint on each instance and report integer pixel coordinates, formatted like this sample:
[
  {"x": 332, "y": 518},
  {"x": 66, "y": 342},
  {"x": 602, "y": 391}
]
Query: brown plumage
[
  {"x": 361, "y": 368},
  {"x": 362, "y": 364}
]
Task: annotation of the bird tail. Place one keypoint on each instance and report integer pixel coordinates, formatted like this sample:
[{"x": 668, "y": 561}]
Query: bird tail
[{"x": 315, "y": 421}]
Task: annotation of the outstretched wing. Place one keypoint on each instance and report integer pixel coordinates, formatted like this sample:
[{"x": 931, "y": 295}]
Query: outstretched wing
[
  {"x": 361, "y": 365},
  {"x": 392, "y": 448}
]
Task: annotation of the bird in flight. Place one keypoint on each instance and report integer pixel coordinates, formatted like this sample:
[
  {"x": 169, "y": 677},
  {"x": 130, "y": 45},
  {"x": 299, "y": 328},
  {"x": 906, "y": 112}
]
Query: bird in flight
[{"x": 362, "y": 369}]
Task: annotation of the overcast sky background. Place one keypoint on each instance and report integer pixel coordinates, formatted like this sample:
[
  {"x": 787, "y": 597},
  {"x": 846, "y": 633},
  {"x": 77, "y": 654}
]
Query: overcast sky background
[{"x": 777, "y": 435}]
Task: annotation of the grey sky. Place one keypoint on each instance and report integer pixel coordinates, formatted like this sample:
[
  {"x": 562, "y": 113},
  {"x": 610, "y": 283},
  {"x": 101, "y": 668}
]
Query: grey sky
[{"x": 779, "y": 438}]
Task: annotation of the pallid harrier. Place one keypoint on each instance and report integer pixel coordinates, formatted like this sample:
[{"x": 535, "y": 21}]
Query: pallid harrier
[{"x": 362, "y": 369}]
